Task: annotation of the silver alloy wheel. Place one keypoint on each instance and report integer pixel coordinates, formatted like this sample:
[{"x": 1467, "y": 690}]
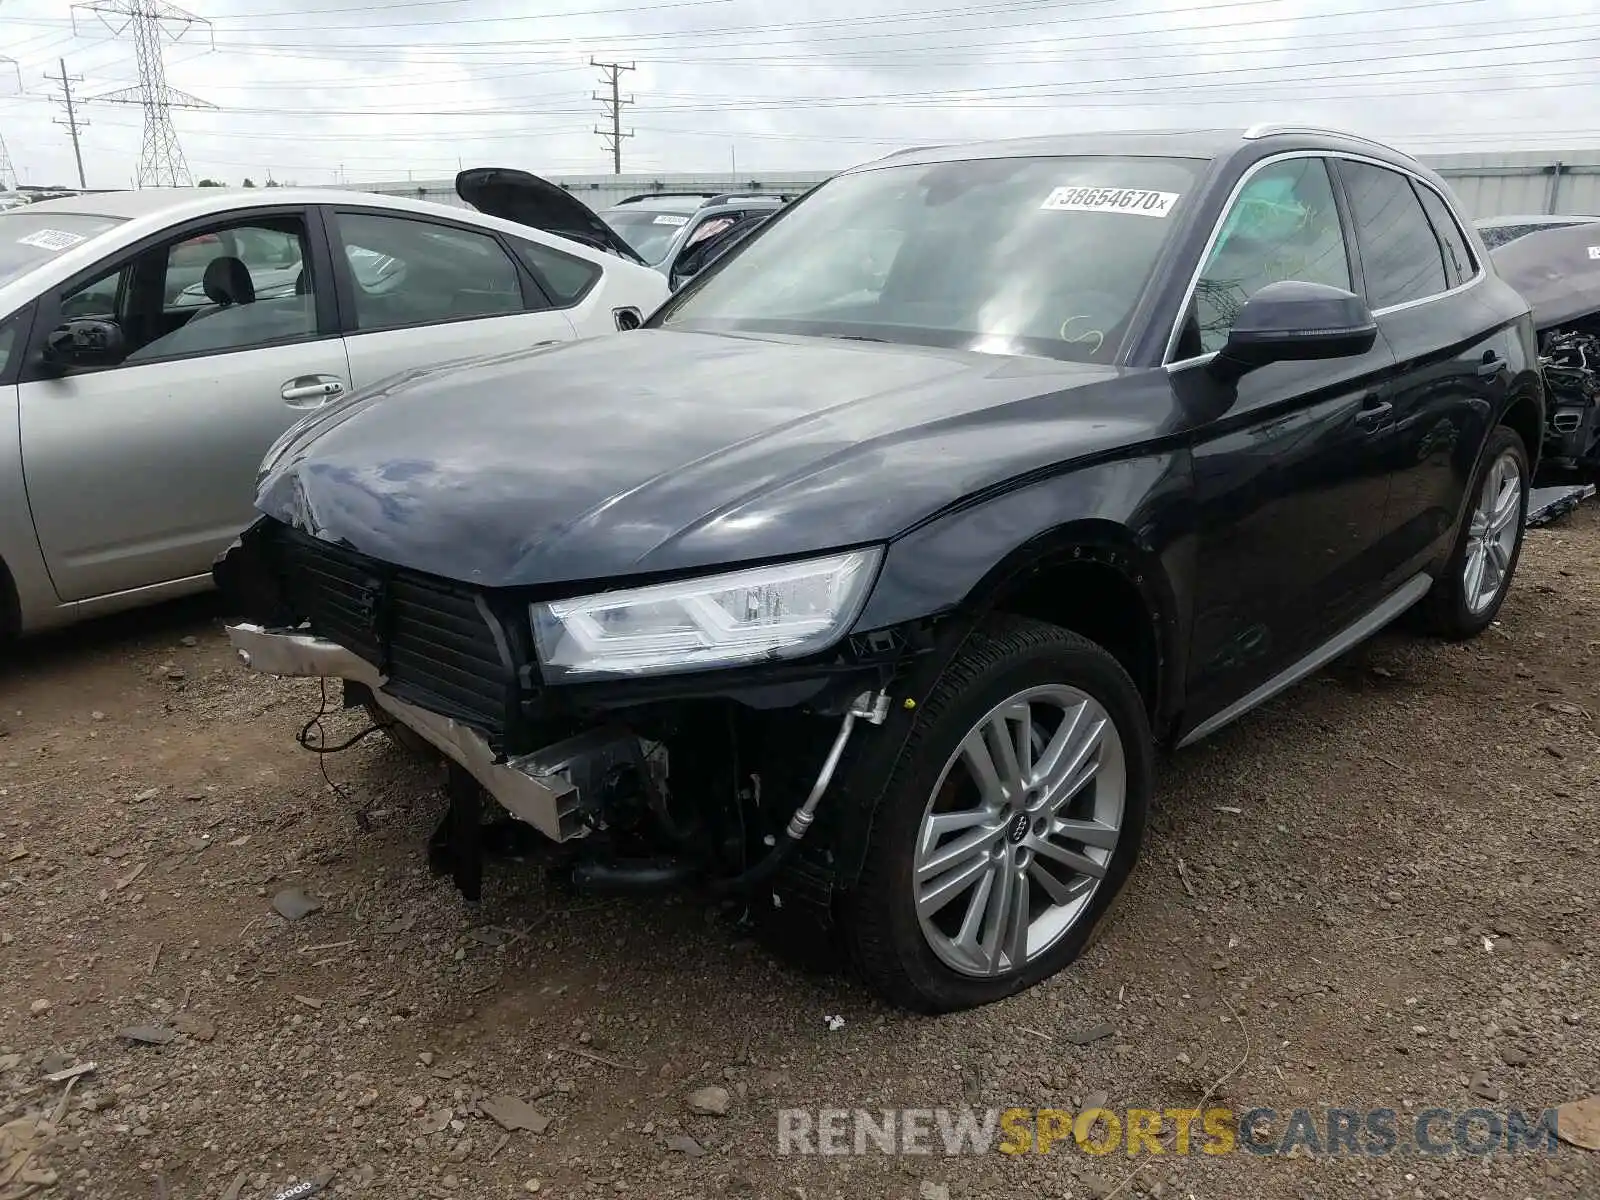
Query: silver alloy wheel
[
  {"x": 1020, "y": 830},
  {"x": 1492, "y": 532}
]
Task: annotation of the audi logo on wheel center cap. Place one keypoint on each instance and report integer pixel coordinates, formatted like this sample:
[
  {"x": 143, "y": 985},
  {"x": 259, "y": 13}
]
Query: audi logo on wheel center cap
[{"x": 1019, "y": 828}]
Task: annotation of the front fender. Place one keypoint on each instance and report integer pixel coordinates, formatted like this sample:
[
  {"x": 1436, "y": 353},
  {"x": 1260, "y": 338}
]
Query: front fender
[{"x": 1131, "y": 515}]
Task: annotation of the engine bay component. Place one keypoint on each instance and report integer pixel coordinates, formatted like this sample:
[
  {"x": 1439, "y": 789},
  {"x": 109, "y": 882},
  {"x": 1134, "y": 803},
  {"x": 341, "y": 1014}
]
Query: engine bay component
[{"x": 1571, "y": 360}]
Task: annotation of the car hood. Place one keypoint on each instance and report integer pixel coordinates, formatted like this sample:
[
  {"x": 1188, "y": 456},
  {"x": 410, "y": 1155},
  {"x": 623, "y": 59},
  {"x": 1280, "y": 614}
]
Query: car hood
[
  {"x": 1557, "y": 271},
  {"x": 658, "y": 450},
  {"x": 538, "y": 203}
]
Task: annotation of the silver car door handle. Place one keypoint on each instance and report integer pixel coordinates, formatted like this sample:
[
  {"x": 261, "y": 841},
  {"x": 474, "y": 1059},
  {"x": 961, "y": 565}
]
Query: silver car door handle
[{"x": 308, "y": 391}]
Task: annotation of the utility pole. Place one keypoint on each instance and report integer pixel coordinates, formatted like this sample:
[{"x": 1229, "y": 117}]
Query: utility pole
[
  {"x": 72, "y": 123},
  {"x": 611, "y": 73},
  {"x": 161, "y": 161}
]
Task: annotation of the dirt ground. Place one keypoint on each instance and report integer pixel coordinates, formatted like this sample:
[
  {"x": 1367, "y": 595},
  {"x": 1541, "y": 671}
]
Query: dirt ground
[{"x": 1379, "y": 892}]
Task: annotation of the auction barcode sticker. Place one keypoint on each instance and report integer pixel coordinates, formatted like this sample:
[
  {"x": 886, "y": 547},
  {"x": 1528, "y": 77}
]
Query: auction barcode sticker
[
  {"x": 1594, "y": 251},
  {"x": 51, "y": 239},
  {"x": 1135, "y": 202},
  {"x": 671, "y": 219}
]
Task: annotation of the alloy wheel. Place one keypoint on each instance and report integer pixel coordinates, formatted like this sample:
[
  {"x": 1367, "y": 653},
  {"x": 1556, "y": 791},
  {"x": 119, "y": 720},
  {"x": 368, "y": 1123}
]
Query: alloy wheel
[
  {"x": 1020, "y": 830},
  {"x": 1492, "y": 533}
]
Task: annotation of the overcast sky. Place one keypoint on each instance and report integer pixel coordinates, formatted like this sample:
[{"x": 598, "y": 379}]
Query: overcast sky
[{"x": 312, "y": 91}]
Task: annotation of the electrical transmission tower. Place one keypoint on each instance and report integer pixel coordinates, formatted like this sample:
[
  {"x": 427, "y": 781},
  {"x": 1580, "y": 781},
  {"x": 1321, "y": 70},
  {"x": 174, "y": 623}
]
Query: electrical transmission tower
[
  {"x": 8, "y": 173},
  {"x": 611, "y": 73},
  {"x": 73, "y": 121},
  {"x": 161, "y": 161}
]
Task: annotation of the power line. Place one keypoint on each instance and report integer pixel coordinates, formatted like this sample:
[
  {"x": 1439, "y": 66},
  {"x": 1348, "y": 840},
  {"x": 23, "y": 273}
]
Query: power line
[
  {"x": 72, "y": 123},
  {"x": 611, "y": 73},
  {"x": 161, "y": 161}
]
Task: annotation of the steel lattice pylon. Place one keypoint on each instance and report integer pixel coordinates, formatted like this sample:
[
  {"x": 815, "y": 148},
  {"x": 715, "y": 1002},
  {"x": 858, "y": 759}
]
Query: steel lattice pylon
[
  {"x": 161, "y": 161},
  {"x": 8, "y": 173}
]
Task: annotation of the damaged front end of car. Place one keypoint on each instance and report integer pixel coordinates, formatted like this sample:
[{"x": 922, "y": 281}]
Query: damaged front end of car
[{"x": 593, "y": 721}]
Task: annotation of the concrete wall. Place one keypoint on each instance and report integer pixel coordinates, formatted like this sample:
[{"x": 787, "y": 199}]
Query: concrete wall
[{"x": 1488, "y": 185}]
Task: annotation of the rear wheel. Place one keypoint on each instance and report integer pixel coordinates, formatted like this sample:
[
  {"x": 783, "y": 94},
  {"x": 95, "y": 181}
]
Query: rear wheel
[
  {"x": 1467, "y": 597},
  {"x": 1010, "y": 824}
]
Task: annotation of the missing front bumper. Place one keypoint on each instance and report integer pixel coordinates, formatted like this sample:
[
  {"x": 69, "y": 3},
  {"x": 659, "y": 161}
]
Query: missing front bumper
[{"x": 544, "y": 789}]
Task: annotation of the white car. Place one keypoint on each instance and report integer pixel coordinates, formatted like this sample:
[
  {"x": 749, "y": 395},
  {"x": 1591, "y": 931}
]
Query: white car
[{"x": 154, "y": 344}]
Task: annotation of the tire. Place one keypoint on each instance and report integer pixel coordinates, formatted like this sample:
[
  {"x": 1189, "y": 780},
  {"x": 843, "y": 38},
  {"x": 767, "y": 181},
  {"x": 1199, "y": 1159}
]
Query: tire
[
  {"x": 411, "y": 742},
  {"x": 921, "y": 962},
  {"x": 1453, "y": 610}
]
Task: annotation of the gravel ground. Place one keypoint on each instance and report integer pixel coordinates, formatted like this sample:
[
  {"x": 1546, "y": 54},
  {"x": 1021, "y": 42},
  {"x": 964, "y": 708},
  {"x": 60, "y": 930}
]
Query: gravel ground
[{"x": 1379, "y": 892}]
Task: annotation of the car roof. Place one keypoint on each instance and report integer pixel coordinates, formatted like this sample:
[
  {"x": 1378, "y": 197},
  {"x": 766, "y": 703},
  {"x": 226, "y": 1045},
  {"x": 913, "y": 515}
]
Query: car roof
[
  {"x": 1200, "y": 143},
  {"x": 695, "y": 203},
  {"x": 198, "y": 201}
]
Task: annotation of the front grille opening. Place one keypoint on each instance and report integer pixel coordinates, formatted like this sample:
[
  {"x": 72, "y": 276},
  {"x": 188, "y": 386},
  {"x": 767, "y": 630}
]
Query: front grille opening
[{"x": 434, "y": 640}]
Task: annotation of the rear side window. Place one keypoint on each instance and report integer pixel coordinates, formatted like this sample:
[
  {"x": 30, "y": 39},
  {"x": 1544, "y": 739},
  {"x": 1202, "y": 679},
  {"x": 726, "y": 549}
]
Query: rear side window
[
  {"x": 564, "y": 277},
  {"x": 1400, "y": 256},
  {"x": 410, "y": 272},
  {"x": 1458, "y": 260}
]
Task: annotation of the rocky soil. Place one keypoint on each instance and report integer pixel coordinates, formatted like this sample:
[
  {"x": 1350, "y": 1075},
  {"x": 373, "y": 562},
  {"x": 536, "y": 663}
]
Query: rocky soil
[{"x": 1383, "y": 891}]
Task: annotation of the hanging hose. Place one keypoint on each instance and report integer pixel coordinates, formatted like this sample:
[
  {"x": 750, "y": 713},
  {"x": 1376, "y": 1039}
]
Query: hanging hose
[{"x": 865, "y": 708}]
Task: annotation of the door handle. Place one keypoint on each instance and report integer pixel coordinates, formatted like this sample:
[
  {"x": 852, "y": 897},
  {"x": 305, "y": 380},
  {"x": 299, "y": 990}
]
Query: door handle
[
  {"x": 1491, "y": 366},
  {"x": 308, "y": 391},
  {"x": 1373, "y": 415}
]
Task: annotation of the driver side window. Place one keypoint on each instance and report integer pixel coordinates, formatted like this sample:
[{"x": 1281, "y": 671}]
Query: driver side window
[
  {"x": 233, "y": 287},
  {"x": 1283, "y": 225}
]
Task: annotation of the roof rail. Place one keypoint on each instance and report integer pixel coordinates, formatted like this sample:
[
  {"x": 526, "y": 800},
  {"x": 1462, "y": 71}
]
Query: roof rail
[
  {"x": 655, "y": 195},
  {"x": 727, "y": 196},
  {"x": 1271, "y": 128}
]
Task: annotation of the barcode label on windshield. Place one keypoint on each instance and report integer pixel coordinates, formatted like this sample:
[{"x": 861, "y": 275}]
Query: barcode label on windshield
[
  {"x": 671, "y": 219},
  {"x": 1134, "y": 202},
  {"x": 51, "y": 239}
]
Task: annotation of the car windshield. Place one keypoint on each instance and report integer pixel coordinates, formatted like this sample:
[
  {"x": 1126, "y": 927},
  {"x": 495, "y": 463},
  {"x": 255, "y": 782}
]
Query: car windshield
[
  {"x": 1040, "y": 256},
  {"x": 649, "y": 233},
  {"x": 31, "y": 239}
]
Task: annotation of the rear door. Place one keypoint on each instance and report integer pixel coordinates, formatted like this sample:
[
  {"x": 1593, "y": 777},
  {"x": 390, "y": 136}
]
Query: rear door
[
  {"x": 1451, "y": 351},
  {"x": 141, "y": 473},
  {"x": 416, "y": 291}
]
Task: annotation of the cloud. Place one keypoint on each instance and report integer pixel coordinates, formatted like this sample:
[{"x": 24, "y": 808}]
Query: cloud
[{"x": 311, "y": 91}]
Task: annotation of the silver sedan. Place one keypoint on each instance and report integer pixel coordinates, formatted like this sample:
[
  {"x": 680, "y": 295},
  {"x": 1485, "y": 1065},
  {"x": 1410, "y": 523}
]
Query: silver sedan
[{"x": 154, "y": 345}]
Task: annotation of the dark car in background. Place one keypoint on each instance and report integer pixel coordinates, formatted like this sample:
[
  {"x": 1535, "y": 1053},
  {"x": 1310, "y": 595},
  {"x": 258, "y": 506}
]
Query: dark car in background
[
  {"x": 864, "y": 580},
  {"x": 678, "y": 232},
  {"x": 1498, "y": 231}
]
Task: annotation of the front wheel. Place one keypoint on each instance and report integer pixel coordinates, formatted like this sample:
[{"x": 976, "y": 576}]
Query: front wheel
[
  {"x": 1469, "y": 593},
  {"x": 1009, "y": 825}
]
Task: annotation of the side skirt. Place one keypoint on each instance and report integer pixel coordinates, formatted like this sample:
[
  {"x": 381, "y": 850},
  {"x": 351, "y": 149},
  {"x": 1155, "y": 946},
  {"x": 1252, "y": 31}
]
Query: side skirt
[{"x": 1360, "y": 630}]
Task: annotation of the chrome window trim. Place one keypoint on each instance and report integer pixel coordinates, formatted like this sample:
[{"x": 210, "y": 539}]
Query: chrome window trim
[{"x": 1216, "y": 230}]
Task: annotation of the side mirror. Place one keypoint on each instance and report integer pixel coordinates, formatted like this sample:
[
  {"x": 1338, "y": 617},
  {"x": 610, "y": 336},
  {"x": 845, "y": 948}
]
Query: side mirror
[
  {"x": 1295, "y": 321},
  {"x": 86, "y": 342}
]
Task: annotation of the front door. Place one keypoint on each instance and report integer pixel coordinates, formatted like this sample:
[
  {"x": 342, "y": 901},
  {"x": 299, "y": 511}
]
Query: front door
[
  {"x": 419, "y": 292},
  {"x": 142, "y": 472},
  {"x": 1290, "y": 479}
]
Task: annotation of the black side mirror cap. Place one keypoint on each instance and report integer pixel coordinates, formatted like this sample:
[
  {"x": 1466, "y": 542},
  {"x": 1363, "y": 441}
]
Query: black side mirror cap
[
  {"x": 1295, "y": 321},
  {"x": 86, "y": 342}
]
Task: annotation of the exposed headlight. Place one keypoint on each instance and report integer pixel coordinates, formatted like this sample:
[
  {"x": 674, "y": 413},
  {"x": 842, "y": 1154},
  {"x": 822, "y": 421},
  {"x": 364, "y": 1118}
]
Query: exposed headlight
[{"x": 777, "y": 612}]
